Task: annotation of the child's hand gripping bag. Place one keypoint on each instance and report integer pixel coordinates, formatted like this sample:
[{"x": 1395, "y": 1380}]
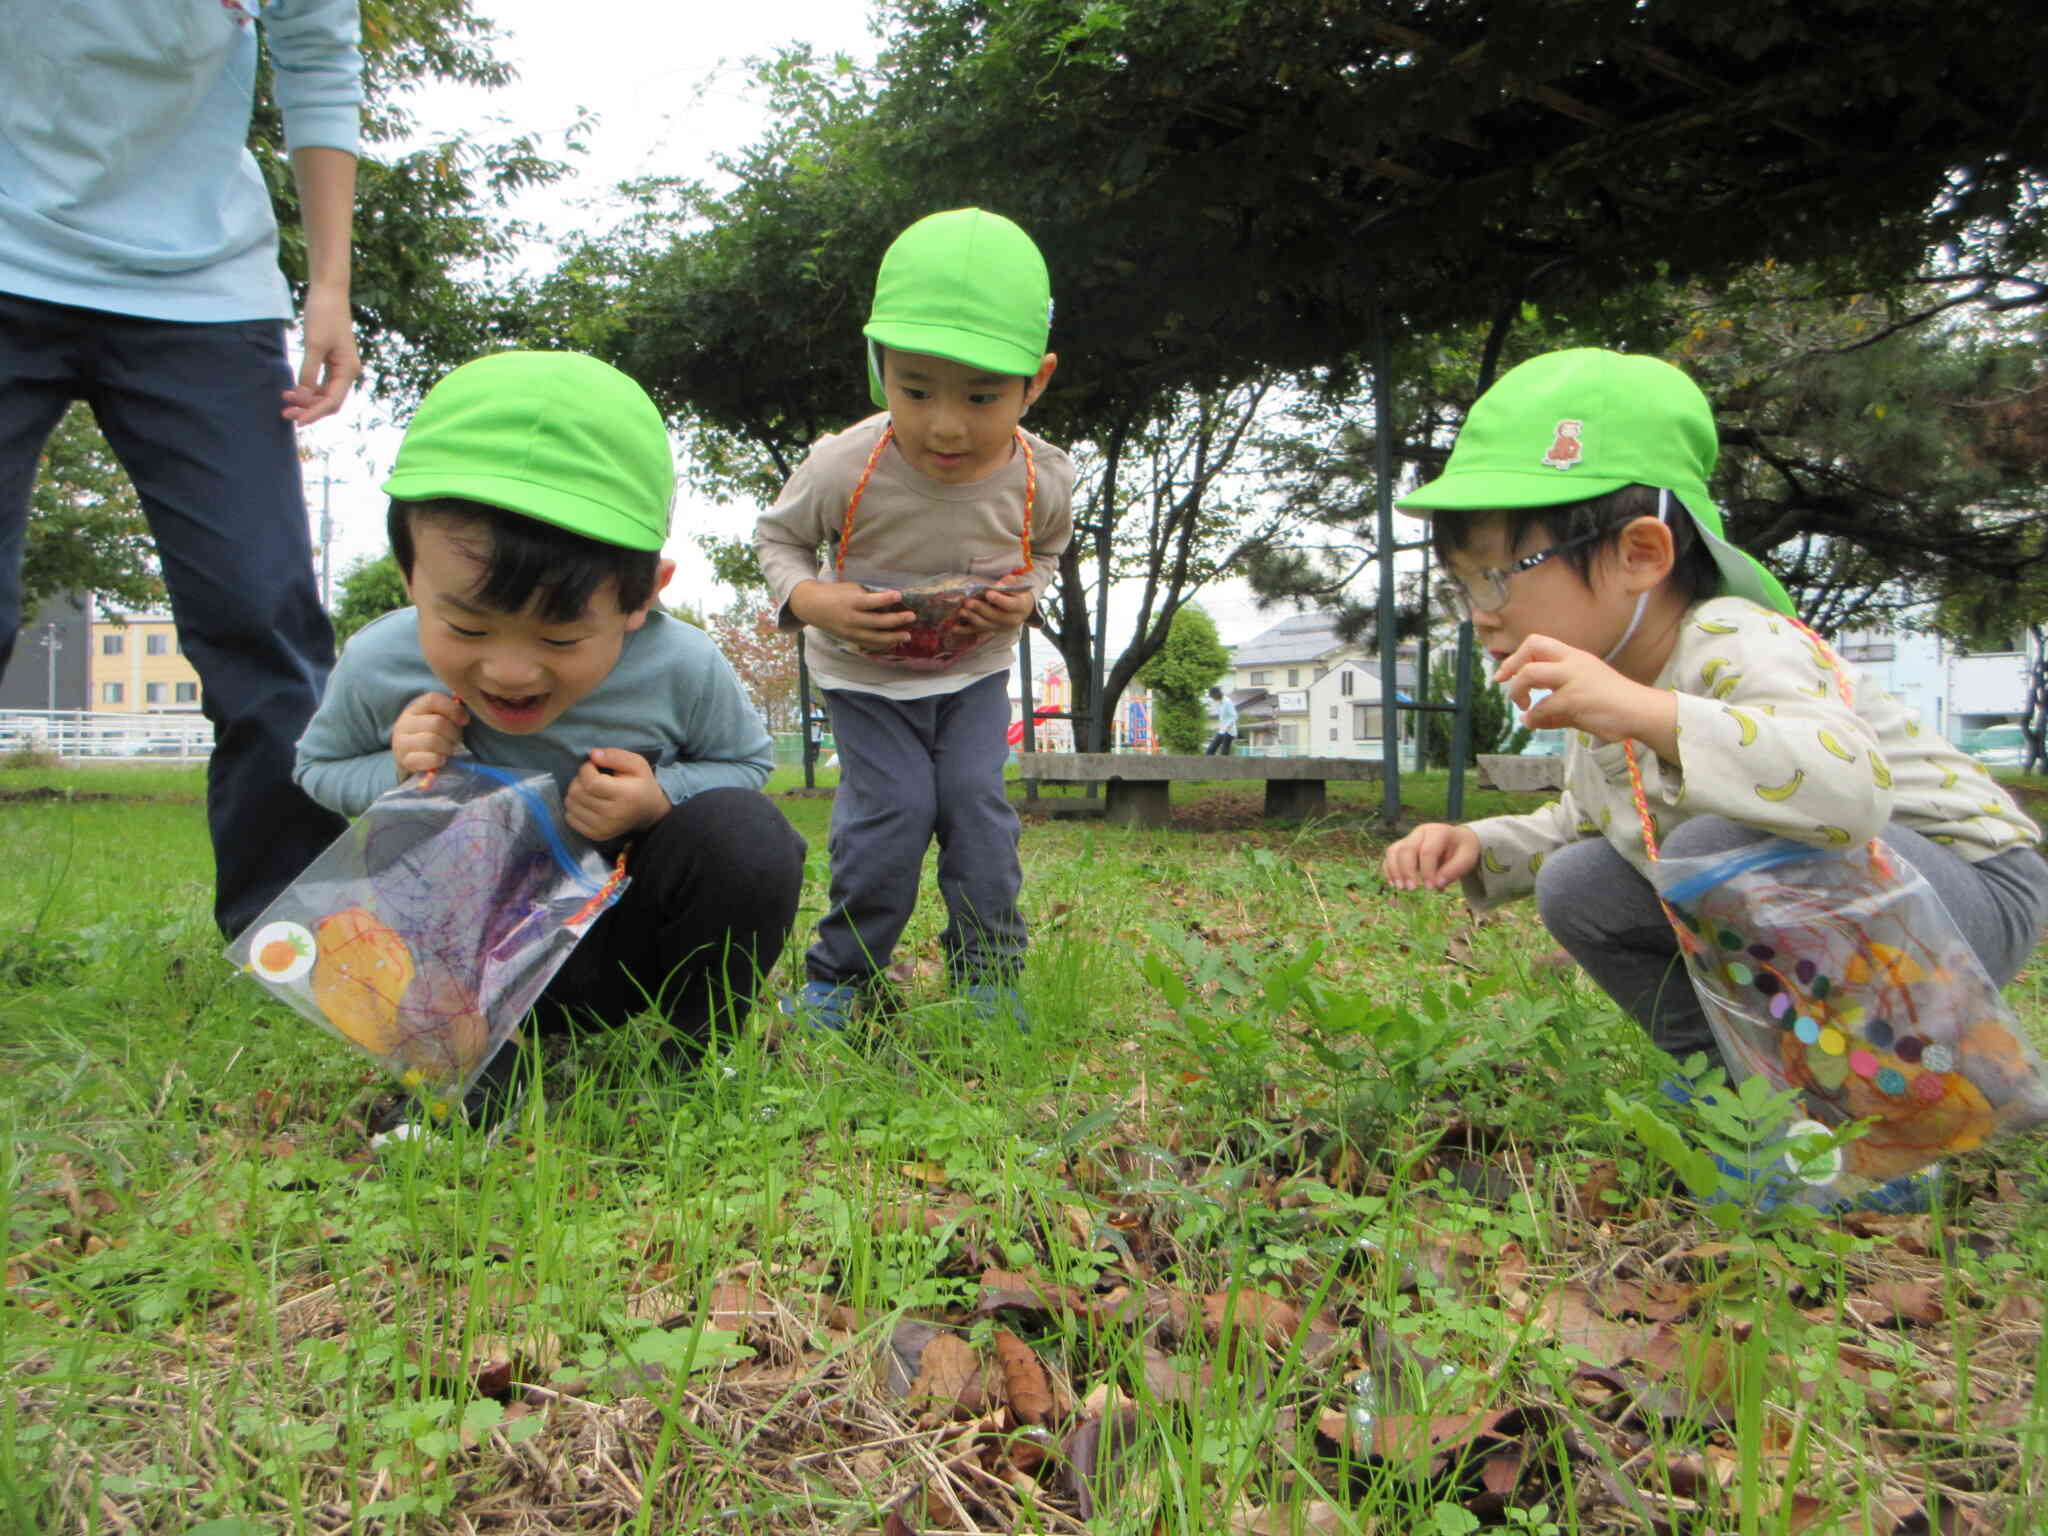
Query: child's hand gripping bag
[
  {"x": 426, "y": 931},
  {"x": 937, "y": 636},
  {"x": 1840, "y": 974}
]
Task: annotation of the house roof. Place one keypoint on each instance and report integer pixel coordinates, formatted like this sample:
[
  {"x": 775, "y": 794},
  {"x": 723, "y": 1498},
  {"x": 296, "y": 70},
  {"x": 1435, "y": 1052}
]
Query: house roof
[{"x": 1304, "y": 637}]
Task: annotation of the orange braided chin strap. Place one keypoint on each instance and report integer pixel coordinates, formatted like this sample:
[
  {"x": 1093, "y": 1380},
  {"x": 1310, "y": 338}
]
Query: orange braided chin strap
[{"x": 860, "y": 489}]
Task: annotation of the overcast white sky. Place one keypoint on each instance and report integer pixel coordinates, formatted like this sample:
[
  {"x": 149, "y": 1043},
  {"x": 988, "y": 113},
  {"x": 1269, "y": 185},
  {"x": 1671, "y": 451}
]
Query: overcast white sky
[{"x": 670, "y": 88}]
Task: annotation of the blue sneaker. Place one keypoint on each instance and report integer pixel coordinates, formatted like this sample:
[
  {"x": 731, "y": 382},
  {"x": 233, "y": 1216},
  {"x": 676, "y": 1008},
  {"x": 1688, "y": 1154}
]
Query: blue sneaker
[
  {"x": 996, "y": 1002},
  {"x": 824, "y": 1004}
]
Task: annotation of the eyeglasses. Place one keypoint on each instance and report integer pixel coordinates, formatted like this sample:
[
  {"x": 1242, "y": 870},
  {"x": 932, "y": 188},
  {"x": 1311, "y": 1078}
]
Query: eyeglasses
[{"x": 1488, "y": 590}]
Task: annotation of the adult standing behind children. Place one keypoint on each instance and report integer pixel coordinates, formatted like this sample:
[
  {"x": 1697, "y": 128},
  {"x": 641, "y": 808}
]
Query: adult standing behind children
[
  {"x": 138, "y": 272},
  {"x": 944, "y": 482},
  {"x": 529, "y": 505},
  {"x": 1574, "y": 523}
]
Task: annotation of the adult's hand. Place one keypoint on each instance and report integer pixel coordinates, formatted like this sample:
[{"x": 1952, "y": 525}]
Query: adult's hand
[{"x": 331, "y": 365}]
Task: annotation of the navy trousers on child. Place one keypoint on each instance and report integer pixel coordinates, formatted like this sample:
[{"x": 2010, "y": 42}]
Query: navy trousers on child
[
  {"x": 1601, "y": 909},
  {"x": 712, "y": 896},
  {"x": 912, "y": 770}
]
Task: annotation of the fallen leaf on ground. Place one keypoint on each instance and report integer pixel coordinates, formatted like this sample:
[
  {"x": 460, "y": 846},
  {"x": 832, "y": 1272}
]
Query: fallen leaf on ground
[
  {"x": 1272, "y": 1319},
  {"x": 1898, "y": 1301},
  {"x": 950, "y": 1382},
  {"x": 1024, "y": 1381}
]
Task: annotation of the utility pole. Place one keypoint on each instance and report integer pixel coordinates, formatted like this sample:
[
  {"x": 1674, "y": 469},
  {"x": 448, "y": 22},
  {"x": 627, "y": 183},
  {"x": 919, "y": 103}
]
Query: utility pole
[
  {"x": 53, "y": 642},
  {"x": 326, "y": 529}
]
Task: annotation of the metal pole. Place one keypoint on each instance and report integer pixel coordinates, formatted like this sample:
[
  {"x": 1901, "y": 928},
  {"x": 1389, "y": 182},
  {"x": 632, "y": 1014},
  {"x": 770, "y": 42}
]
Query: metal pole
[
  {"x": 326, "y": 531},
  {"x": 1098, "y": 716},
  {"x": 1026, "y": 702},
  {"x": 803, "y": 715},
  {"x": 53, "y": 642},
  {"x": 1383, "y": 493},
  {"x": 1461, "y": 727},
  {"x": 1422, "y": 685}
]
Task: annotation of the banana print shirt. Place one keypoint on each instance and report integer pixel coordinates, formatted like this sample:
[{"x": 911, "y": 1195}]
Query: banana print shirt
[{"x": 1764, "y": 739}]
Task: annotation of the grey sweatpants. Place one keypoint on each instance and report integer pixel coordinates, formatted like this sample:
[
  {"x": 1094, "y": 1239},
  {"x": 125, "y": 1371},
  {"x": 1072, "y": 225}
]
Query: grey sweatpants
[
  {"x": 911, "y": 770},
  {"x": 1604, "y": 912}
]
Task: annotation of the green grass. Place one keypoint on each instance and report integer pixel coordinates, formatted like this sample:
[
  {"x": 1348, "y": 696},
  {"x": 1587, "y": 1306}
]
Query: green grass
[{"x": 1307, "y": 1200}]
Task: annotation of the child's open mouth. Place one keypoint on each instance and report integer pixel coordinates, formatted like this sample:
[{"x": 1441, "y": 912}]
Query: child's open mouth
[{"x": 516, "y": 710}]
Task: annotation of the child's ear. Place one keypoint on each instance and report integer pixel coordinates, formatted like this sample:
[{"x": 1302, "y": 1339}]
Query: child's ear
[
  {"x": 1648, "y": 555},
  {"x": 664, "y": 572},
  {"x": 1035, "y": 385}
]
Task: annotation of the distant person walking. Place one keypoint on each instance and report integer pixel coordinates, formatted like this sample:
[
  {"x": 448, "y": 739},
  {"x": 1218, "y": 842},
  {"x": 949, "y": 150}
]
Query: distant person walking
[
  {"x": 138, "y": 273},
  {"x": 1224, "y": 712}
]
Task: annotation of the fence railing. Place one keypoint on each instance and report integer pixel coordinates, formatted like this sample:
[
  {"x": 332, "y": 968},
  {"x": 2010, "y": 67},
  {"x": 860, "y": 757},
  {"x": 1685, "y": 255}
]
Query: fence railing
[{"x": 92, "y": 734}]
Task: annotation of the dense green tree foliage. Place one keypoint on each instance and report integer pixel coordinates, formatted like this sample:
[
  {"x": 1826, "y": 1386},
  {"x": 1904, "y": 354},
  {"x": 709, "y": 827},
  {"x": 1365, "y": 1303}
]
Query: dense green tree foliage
[
  {"x": 1180, "y": 674},
  {"x": 369, "y": 590},
  {"x": 104, "y": 545}
]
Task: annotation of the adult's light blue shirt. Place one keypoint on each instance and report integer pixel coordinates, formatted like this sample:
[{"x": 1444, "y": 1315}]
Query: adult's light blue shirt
[
  {"x": 126, "y": 183},
  {"x": 672, "y": 697}
]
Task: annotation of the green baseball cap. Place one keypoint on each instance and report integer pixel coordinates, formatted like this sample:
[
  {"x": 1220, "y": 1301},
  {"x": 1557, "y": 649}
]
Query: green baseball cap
[
  {"x": 1579, "y": 423},
  {"x": 556, "y": 436},
  {"x": 966, "y": 285}
]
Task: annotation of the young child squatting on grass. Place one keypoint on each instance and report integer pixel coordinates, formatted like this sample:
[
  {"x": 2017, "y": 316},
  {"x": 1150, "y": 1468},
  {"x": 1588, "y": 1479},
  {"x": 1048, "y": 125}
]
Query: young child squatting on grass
[
  {"x": 943, "y": 482},
  {"x": 1574, "y": 523},
  {"x": 529, "y": 504}
]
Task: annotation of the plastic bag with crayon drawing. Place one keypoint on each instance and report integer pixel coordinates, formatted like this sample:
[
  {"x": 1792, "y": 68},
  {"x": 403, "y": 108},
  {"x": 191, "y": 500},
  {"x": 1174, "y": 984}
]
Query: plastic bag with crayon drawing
[{"x": 426, "y": 931}]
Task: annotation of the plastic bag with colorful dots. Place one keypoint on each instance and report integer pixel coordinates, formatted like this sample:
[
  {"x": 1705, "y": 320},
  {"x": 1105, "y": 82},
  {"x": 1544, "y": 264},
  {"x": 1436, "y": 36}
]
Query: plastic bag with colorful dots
[
  {"x": 1842, "y": 975},
  {"x": 424, "y": 933}
]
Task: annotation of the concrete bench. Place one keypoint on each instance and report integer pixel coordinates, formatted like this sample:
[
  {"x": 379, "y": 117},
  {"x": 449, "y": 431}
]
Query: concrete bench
[
  {"x": 1138, "y": 782},
  {"x": 1502, "y": 770}
]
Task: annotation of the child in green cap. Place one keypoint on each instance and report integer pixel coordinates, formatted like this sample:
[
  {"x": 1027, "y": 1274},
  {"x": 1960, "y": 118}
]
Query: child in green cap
[
  {"x": 942, "y": 489},
  {"x": 1577, "y": 534},
  {"x": 529, "y": 505}
]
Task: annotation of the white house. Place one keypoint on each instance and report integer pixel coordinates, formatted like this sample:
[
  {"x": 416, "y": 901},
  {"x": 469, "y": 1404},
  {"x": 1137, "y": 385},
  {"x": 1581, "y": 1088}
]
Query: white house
[
  {"x": 1275, "y": 677},
  {"x": 1344, "y": 717}
]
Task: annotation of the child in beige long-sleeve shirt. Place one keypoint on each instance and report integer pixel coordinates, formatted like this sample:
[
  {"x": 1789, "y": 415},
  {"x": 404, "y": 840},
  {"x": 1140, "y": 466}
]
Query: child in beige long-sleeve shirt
[{"x": 945, "y": 487}]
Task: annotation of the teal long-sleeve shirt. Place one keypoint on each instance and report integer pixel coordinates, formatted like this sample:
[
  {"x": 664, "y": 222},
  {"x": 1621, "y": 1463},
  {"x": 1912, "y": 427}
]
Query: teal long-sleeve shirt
[{"x": 672, "y": 697}]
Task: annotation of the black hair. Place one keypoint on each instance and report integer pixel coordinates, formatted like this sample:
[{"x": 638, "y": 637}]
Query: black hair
[
  {"x": 529, "y": 558},
  {"x": 1693, "y": 571}
]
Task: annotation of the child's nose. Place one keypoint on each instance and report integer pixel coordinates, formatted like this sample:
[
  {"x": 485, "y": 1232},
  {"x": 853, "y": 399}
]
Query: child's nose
[
  {"x": 509, "y": 673},
  {"x": 949, "y": 422}
]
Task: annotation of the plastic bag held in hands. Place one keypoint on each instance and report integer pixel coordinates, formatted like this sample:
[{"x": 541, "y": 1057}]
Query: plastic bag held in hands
[
  {"x": 937, "y": 636},
  {"x": 426, "y": 931}
]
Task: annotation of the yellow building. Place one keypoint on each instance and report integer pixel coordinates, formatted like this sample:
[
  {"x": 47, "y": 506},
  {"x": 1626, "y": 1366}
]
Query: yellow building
[{"x": 138, "y": 668}]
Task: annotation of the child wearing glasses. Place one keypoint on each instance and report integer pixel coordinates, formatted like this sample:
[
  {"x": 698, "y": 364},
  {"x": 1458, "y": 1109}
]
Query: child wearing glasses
[{"x": 1574, "y": 522}]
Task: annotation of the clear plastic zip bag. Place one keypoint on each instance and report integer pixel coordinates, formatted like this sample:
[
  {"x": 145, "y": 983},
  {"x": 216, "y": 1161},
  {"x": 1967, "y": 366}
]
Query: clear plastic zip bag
[
  {"x": 937, "y": 635},
  {"x": 1840, "y": 974},
  {"x": 424, "y": 933}
]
